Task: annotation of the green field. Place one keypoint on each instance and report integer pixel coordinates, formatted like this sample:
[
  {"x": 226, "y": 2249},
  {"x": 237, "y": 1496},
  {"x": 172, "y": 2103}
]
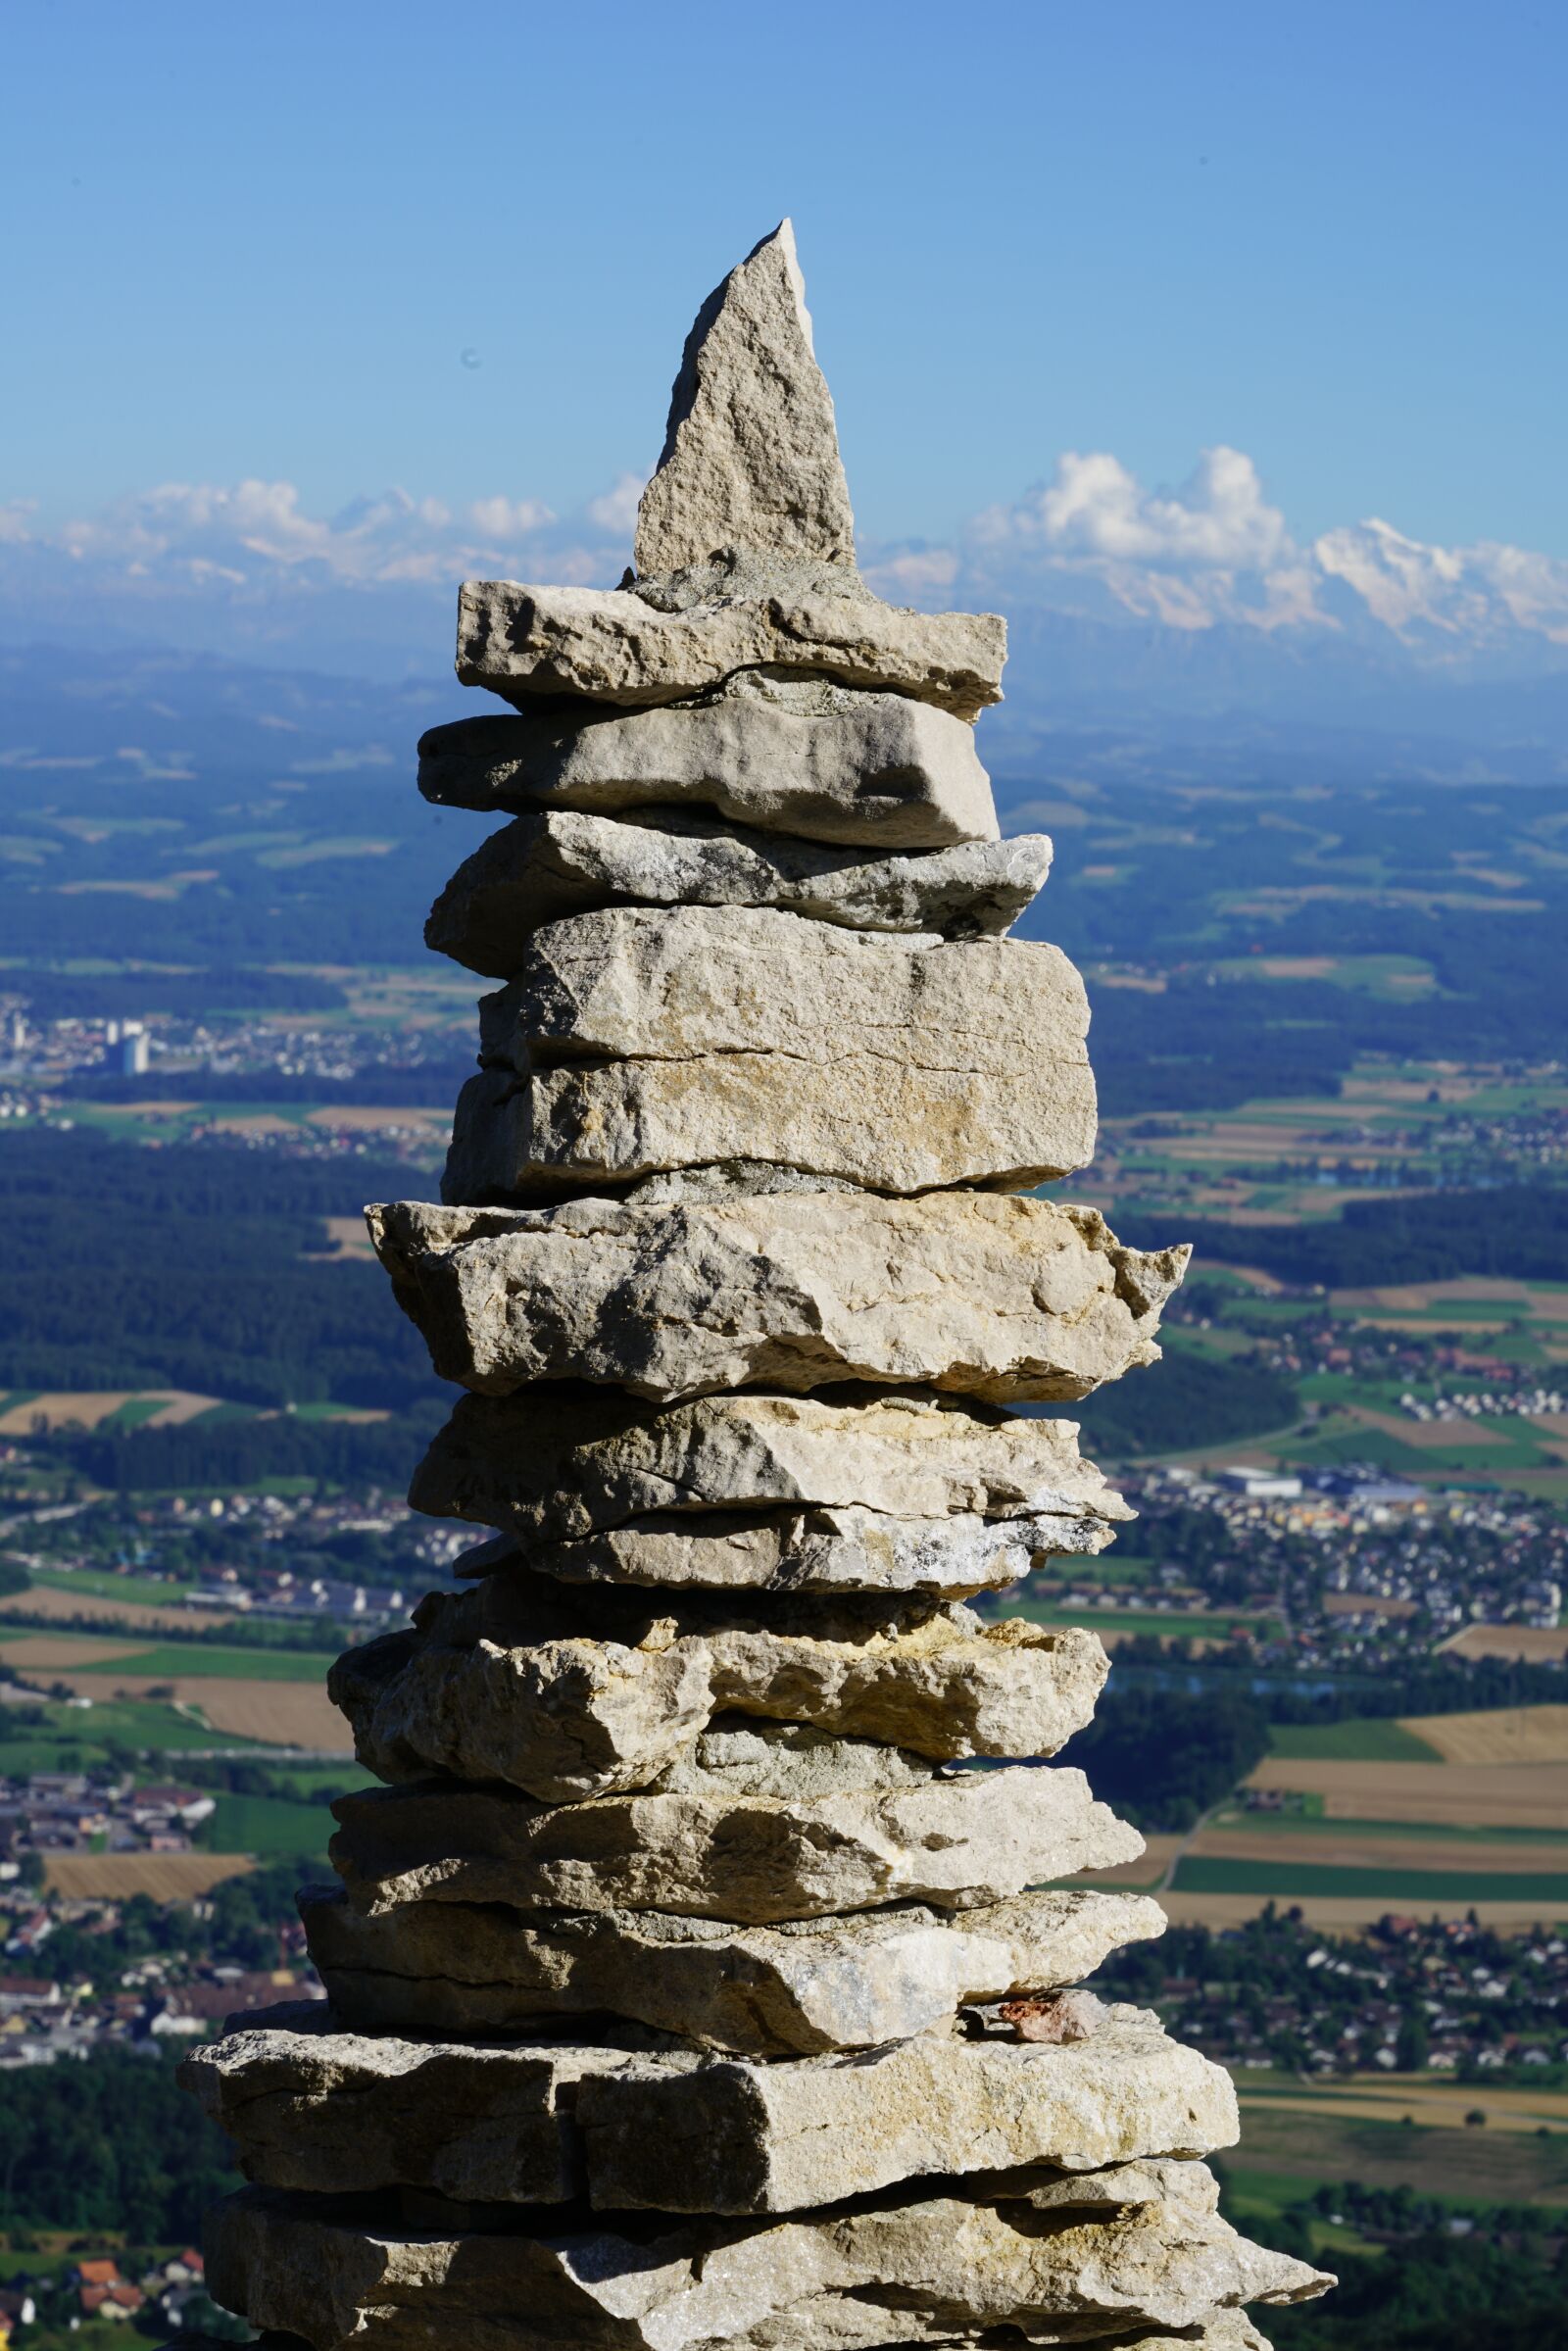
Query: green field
[
  {"x": 1359, "y": 1738},
  {"x": 1295, "y": 1881},
  {"x": 173, "y": 1661},
  {"x": 272, "y": 1827},
  {"x": 33, "y": 1739},
  {"x": 99, "y": 1583}
]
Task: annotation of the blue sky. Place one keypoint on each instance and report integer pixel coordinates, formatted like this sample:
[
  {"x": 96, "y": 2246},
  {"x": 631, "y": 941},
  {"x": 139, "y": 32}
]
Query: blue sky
[{"x": 256, "y": 241}]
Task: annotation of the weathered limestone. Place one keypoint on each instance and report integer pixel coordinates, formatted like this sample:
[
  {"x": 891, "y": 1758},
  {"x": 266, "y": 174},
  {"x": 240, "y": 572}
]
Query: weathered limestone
[
  {"x": 566, "y": 1462},
  {"x": 611, "y": 645},
  {"x": 807, "y": 1987},
  {"x": 1004, "y": 1298},
  {"x": 755, "y": 1860},
  {"x": 824, "y": 1549},
  {"x": 1052, "y": 2258},
  {"x": 750, "y": 455},
  {"x": 314, "y": 2107},
  {"x": 540, "y": 868},
  {"x": 675, "y": 984},
  {"x": 738, "y": 2136},
  {"x": 686, "y": 1984},
  {"x": 740, "y": 1033},
  {"x": 792, "y": 755},
  {"x": 567, "y": 1695}
]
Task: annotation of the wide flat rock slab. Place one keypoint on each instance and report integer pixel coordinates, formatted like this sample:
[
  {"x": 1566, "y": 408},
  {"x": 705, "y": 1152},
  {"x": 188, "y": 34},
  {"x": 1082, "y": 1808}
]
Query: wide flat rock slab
[
  {"x": 757, "y": 1991},
  {"x": 539, "y": 869},
  {"x": 796, "y": 756},
  {"x": 1051, "y": 2258},
  {"x": 312, "y": 2107},
  {"x": 317, "y": 2108},
  {"x": 820, "y": 1549},
  {"x": 956, "y": 1843},
  {"x": 1010, "y": 1300},
  {"x": 611, "y": 645},
  {"x": 564, "y": 1462},
  {"x": 567, "y": 1695},
  {"x": 715, "y": 1034},
  {"x": 736, "y": 2136}
]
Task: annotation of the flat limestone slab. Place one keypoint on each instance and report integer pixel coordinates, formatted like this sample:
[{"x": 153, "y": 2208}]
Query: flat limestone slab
[
  {"x": 758, "y": 1991},
  {"x": 314, "y": 2107},
  {"x": 750, "y": 455},
  {"x": 1010, "y": 1300},
  {"x": 610, "y": 645},
  {"x": 539, "y": 869},
  {"x": 567, "y": 1695},
  {"x": 956, "y": 1843},
  {"x": 787, "y": 755},
  {"x": 562, "y": 1462},
  {"x": 1050, "y": 2258},
  {"x": 737, "y": 2136},
  {"x": 682, "y": 983},
  {"x": 820, "y": 1550},
  {"x": 715, "y": 1034}
]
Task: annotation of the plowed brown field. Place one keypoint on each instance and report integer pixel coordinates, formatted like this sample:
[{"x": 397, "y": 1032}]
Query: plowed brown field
[{"x": 166, "y": 1877}]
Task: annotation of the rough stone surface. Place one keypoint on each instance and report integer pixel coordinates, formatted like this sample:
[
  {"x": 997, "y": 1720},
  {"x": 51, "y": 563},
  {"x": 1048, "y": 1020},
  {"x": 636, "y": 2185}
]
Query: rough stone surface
[
  {"x": 955, "y": 1843},
  {"x": 713, "y": 1034},
  {"x": 317, "y": 2107},
  {"x": 564, "y": 1462},
  {"x": 1051, "y": 2259},
  {"x": 680, "y": 983},
  {"x": 750, "y": 455},
  {"x": 1006, "y": 1299},
  {"x": 539, "y": 869},
  {"x": 574, "y": 1694},
  {"x": 612, "y": 645},
  {"x": 797, "y": 756},
  {"x": 757, "y": 1991},
  {"x": 826, "y": 1550},
  {"x": 310, "y": 2106},
  {"x": 738, "y": 2136}
]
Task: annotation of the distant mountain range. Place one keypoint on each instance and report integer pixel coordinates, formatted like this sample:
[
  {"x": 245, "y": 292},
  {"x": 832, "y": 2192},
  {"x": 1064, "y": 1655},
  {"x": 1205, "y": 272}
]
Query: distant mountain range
[{"x": 1155, "y": 633}]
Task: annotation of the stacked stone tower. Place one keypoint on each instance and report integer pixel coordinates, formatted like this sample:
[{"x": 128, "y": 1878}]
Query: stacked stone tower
[{"x": 690, "y": 1979}]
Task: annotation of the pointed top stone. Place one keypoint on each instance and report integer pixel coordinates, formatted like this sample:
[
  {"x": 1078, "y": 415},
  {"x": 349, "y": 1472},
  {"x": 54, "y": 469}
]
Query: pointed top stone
[{"x": 751, "y": 459}]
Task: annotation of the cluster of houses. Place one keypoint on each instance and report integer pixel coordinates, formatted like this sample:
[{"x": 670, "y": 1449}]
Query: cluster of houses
[
  {"x": 171, "y": 2292},
  {"x": 73, "y": 1812}
]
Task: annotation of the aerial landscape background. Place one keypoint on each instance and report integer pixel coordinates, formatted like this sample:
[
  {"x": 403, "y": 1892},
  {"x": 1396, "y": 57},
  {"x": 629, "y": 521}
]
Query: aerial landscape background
[{"x": 1220, "y": 354}]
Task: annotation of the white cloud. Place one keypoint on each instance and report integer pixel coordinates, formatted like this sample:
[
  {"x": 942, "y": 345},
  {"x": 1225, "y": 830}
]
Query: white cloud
[
  {"x": 1095, "y": 509},
  {"x": 616, "y": 509},
  {"x": 252, "y": 561}
]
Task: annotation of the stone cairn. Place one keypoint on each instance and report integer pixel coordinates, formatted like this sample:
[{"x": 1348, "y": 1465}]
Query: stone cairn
[{"x": 686, "y": 1985}]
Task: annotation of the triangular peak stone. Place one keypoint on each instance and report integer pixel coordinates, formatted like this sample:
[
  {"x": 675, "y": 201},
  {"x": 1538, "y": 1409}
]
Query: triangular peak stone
[{"x": 751, "y": 459}]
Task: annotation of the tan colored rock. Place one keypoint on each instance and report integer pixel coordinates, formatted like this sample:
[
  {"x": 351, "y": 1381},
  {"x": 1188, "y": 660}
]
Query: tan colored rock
[
  {"x": 539, "y": 869},
  {"x": 955, "y": 1843},
  {"x": 826, "y": 1550},
  {"x": 713, "y": 1034},
  {"x": 738, "y": 2136},
  {"x": 1006, "y": 1299},
  {"x": 612, "y": 645},
  {"x": 514, "y": 1137},
  {"x": 1050, "y": 2259},
  {"x": 574, "y": 1694},
  {"x": 317, "y": 2108},
  {"x": 791, "y": 754},
  {"x": 811, "y": 1985},
  {"x": 312, "y": 2107},
  {"x": 561, "y": 1462},
  {"x": 681, "y": 983},
  {"x": 750, "y": 455}
]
